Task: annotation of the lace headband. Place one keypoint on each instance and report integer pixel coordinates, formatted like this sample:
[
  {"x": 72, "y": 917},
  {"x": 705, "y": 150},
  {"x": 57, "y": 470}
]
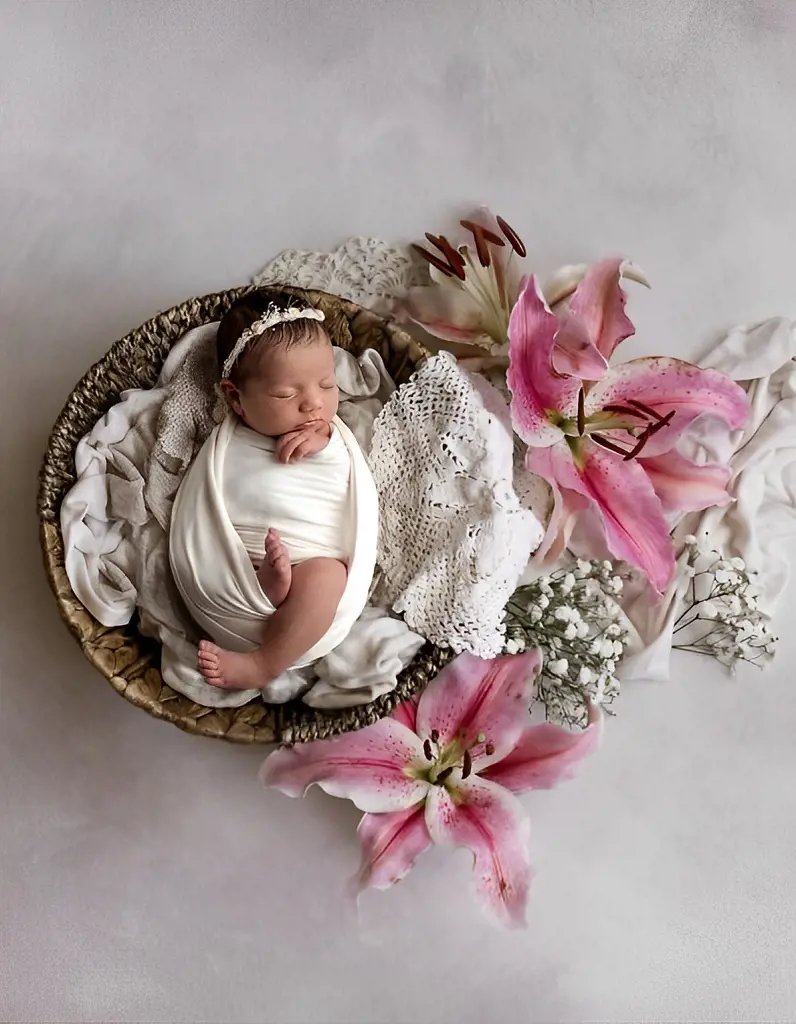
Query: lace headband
[{"x": 271, "y": 317}]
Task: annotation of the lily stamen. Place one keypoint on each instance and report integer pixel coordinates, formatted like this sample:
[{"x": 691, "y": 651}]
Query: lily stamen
[
  {"x": 482, "y": 235},
  {"x": 513, "y": 238},
  {"x": 453, "y": 256},
  {"x": 427, "y": 750},
  {"x": 611, "y": 446},
  {"x": 582, "y": 412},
  {"x": 651, "y": 430},
  {"x": 654, "y": 414},
  {"x": 435, "y": 261},
  {"x": 624, "y": 410}
]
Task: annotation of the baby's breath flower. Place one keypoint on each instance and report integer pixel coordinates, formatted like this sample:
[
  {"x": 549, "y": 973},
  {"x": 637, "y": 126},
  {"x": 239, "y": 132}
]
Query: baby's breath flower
[
  {"x": 721, "y": 616},
  {"x": 571, "y": 616}
]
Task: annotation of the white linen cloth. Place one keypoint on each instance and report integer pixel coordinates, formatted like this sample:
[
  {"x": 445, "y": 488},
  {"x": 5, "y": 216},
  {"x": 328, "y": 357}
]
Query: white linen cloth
[
  {"x": 306, "y": 502},
  {"x": 210, "y": 562},
  {"x": 762, "y": 359}
]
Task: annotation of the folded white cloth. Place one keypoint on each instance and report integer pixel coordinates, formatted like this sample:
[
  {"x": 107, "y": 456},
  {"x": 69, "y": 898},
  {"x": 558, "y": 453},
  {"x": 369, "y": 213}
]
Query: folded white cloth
[
  {"x": 762, "y": 359},
  {"x": 307, "y": 502},
  {"x": 210, "y": 563}
]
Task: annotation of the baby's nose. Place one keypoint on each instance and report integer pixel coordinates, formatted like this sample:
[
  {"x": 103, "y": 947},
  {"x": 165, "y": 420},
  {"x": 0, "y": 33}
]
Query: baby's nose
[{"x": 312, "y": 400}]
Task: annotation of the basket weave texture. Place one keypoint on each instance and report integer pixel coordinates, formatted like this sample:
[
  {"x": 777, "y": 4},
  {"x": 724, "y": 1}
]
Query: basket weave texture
[{"x": 130, "y": 661}]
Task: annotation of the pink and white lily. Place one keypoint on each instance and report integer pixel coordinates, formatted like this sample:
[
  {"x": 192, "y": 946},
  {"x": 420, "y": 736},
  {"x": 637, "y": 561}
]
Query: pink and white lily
[
  {"x": 474, "y": 285},
  {"x": 608, "y": 446},
  {"x": 446, "y": 770},
  {"x": 474, "y": 290}
]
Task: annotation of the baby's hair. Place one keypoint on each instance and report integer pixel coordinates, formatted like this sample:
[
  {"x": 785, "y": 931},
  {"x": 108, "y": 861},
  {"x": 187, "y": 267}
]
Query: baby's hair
[{"x": 251, "y": 307}]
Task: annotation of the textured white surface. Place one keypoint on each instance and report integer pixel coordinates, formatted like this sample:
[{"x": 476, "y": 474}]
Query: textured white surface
[{"x": 150, "y": 151}]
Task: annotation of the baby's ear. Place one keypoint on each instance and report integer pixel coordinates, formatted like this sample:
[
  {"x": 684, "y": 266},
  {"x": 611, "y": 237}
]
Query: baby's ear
[{"x": 230, "y": 392}]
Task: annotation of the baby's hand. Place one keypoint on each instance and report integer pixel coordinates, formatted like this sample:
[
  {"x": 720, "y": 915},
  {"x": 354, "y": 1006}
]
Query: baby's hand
[{"x": 306, "y": 441}]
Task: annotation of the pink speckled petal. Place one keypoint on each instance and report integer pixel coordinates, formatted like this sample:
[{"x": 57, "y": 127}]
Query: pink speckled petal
[
  {"x": 567, "y": 507},
  {"x": 491, "y": 823},
  {"x": 370, "y": 767},
  {"x": 391, "y": 843},
  {"x": 684, "y": 486},
  {"x": 575, "y": 353},
  {"x": 472, "y": 696},
  {"x": 631, "y": 512},
  {"x": 536, "y": 389},
  {"x": 546, "y": 755},
  {"x": 665, "y": 385},
  {"x": 599, "y": 304}
]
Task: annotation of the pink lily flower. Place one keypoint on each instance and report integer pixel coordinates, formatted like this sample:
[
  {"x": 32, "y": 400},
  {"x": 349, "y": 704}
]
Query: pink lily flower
[
  {"x": 445, "y": 769},
  {"x": 474, "y": 292},
  {"x": 609, "y": 446},
  {"x": 593, "y": 322}
]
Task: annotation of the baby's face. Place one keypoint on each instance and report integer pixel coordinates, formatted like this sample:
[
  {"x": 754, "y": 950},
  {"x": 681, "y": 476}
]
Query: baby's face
[{"x": 289, "y": 388}]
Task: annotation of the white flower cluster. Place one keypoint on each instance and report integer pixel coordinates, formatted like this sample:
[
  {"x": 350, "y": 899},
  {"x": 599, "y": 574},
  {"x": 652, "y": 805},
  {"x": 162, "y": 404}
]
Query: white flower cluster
[
  {"x": 721, "y": 616},
  {"x": 571, "y": 616}
]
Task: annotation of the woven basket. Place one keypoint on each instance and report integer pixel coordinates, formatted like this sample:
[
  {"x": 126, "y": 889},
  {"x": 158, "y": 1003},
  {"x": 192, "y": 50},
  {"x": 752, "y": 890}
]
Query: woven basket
[{"x": 129, "y": 661}]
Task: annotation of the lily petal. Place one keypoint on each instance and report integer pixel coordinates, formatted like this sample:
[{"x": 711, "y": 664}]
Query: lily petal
[
  {"x": 631, "y": 512},
  {"x": 536, "y": 389},
  {"x": 684, "y": 486},
  {"x": 567, "y": 507},
  {"x": 599, "y": 304},
  {"x": 391, "y": 843},
  {"x": 491, "y": 822},
  {"x": 575, "y": 353},
  {"x": 370, "y": 767},
  {"x": 665, "y": 384},
  {"x": 563, "y": 282},
  {"x": 471, "y": 696},
  {"x": 448, "y": 312},
  {"x": 406, "y": 712},
  {"x": 546, "y": 755}
]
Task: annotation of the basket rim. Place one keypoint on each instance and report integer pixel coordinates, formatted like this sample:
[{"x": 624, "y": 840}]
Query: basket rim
[{"x": 255, "y": 722}]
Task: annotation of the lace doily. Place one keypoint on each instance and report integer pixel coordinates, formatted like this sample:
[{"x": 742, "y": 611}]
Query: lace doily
[
  {"x": 454, "y": 537},
  {"x": 362, "y": 270}
]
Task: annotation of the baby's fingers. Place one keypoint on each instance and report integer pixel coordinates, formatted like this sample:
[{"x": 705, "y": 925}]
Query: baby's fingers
[
  {"x": 292, "y": 446},
  {"x": 305, "y": 447},
  {"x": 288, "y": 445}
]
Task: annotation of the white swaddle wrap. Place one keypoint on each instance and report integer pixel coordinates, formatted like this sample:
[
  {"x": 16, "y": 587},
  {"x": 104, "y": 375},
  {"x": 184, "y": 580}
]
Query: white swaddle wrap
[{"x": 323, "y": 506}]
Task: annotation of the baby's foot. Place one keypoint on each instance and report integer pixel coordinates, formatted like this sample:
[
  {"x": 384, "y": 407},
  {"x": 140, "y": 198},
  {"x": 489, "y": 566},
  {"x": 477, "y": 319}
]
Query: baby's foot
[
  {"x": 231, "y": 671},
  {"x": 276, "y": 573}
]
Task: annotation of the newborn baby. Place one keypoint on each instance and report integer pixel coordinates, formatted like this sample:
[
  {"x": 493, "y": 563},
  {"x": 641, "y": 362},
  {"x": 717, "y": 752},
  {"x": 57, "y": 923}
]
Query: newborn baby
[{"x": 292, "y": 483}]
